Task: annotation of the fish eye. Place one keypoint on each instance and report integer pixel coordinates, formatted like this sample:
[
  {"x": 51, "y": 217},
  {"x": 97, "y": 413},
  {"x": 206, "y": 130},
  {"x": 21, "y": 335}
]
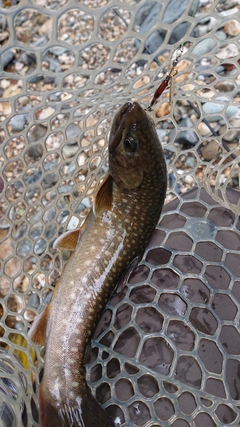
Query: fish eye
[{"x": 130, "y": 145}]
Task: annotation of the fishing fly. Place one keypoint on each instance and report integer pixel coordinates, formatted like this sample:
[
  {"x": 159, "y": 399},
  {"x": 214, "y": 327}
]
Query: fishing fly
[{"x": 168, "y": 80}]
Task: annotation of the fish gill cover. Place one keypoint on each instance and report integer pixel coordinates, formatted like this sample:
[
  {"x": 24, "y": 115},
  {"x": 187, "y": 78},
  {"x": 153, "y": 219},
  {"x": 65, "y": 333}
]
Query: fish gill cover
[{"x": 66, "y": 67}]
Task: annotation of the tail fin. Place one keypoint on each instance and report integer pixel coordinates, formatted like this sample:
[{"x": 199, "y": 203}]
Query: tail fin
[{"x": 79, "y": 412}]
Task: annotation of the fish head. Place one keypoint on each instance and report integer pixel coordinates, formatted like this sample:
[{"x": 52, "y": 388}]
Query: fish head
[{"x": 133, "y": 144}]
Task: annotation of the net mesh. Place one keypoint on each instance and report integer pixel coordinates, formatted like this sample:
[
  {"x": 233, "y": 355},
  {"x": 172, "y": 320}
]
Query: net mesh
[
  {"x": 166, "y": 350},
  {"x": 66, "y": 67}
]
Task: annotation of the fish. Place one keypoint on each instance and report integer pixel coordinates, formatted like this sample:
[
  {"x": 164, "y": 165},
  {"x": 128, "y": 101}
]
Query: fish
[{"x": 126, "y": 209}]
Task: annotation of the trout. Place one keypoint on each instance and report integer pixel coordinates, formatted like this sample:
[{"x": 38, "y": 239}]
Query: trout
[{"x": 125, "y": 212}]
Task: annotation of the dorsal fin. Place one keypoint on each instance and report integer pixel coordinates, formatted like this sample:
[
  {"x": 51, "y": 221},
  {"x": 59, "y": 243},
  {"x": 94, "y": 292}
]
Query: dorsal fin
[
  {"x": 103, "y": 199},
  {"x": 69, "y": 239}
]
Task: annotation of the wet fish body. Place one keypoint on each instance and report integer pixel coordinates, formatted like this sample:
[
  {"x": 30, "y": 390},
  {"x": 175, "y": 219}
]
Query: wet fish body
[{"x": 126, "y": 210}]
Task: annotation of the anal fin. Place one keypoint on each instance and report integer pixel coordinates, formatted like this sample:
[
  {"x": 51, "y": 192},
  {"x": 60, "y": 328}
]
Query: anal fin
[
  {"x": 79, "y": 411},
  {"x": 69, "y": 239},
  {"x": 37, "y": 332}
]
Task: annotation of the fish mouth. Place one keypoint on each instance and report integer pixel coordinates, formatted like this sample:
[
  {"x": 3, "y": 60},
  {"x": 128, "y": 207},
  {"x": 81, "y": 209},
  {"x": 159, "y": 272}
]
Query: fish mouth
[{"x": 116, "y": 132}]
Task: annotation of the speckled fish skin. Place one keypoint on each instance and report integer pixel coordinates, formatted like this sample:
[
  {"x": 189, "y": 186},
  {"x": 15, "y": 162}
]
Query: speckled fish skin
[{"x": 111, "y": 239}]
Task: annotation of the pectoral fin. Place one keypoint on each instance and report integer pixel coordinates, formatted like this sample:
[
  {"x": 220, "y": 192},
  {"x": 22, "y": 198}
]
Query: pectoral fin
[
  {"x": 37, "y": 332},
  {"x": 103, "y": 199}
]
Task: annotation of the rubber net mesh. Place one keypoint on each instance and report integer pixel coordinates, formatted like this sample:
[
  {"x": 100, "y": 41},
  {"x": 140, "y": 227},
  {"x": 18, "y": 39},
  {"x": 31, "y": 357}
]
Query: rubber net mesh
[{"x": 66, "y": 67}]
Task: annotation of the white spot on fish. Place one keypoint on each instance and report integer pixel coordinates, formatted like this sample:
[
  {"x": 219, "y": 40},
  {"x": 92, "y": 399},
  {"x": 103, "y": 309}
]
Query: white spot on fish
[
  {"x": 58, "y": 351},
  {"x": 74, "y": 349},
  {"x": 93, "y": 247},
  {"x": 102, "y": 241},
  {"x": 78, "y": 270},
  {"x": 72, "y": 282},
  {"x": 71, "y": 361},
  {"x": 84, "y": 279},
  {"x": 87, "y": 296},
  {"x": 75, "y": 384},
  {"x": 71, "y": 394},
  {"x": 88, "y": 262},
  {"x": 72, "y": 296},
  {"x": 55, "y": 389}
]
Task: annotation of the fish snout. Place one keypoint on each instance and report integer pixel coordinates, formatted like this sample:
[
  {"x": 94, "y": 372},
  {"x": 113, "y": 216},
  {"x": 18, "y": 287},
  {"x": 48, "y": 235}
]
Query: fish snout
[
  {"x": 125, "y": 108},
  {"x": 126, "y": 118},
  {"x": 117, "y": 128}
]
